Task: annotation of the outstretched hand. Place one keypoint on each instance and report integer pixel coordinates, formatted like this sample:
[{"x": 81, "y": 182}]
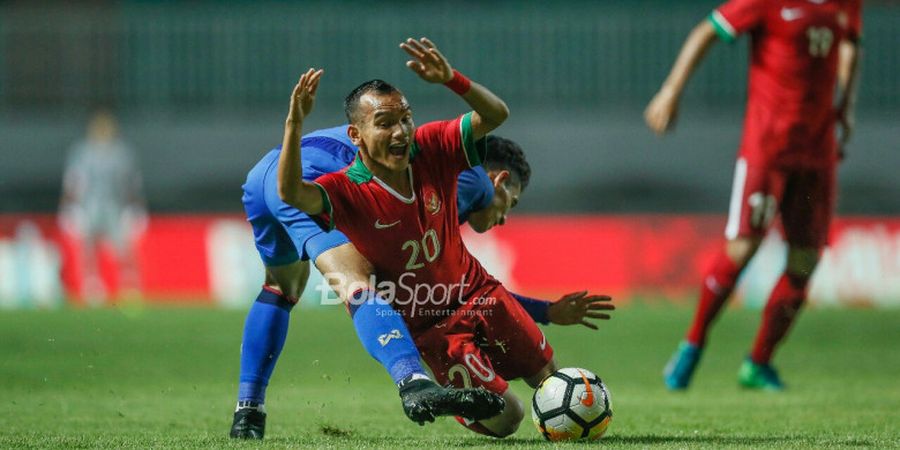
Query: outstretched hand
[
  {"x": 303, "y": 98},
  {"x": 577, "y": 307},
  {"x": 427, "y": 62}
]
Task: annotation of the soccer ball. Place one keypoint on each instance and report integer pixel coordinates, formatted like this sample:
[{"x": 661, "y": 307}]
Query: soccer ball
[{"x": 571, "y": 404}]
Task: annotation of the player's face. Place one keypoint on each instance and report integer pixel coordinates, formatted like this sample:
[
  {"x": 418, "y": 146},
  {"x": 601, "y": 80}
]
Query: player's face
[
  {"x": 385, "y": 130},
  {"x": 506, "y": 197}
]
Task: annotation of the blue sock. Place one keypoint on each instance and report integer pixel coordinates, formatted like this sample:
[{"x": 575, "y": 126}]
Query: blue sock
[
  {"x": 383, "y": 333},
  {"x": 265, "y": 331}
]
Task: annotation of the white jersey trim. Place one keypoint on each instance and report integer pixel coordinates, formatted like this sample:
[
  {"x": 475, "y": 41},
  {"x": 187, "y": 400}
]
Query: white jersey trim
[
  {"x": 737, "y": 195},
  {"x": 723, "y": 22},
  {"x": 399, "y": 196}
]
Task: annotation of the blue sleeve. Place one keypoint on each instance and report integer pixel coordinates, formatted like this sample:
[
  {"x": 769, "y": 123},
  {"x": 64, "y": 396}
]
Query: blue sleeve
[
  {"x": 535, "y": 308},
  {"x": 474, "y": 192}
]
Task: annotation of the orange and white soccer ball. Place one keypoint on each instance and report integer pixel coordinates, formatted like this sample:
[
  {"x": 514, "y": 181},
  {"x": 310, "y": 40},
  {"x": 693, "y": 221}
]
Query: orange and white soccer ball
[{"x": 571, "y": 404}]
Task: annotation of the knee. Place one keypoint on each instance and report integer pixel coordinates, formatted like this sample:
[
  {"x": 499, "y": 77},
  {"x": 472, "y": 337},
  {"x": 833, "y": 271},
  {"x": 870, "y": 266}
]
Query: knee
[
  {"x": 742, "y": 249},
  {"x": 509, "y": 420},
  {"x": 290, "y": 279},
  {"x": 801, "y": 262}
]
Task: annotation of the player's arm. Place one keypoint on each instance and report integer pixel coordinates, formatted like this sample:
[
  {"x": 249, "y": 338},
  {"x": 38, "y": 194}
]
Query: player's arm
[
  {"x": 292, "y": 188},
  {"x": 489, "y": 110},
  {"x": 848, "y": 75},
  {"x": 662, "y": 111},
  {"x": 570, "y": 309}
]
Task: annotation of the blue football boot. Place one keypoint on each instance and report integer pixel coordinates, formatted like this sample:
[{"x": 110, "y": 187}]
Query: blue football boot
[{"x": 680, "y": 367}]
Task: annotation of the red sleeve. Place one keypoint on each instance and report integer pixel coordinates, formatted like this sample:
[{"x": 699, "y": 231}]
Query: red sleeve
[
  {"x": 449, "y": 140},
  {"x": 854, "y": 19},
  {"x": 331, "y": 187},
  {"x": 735, "y": 17}
]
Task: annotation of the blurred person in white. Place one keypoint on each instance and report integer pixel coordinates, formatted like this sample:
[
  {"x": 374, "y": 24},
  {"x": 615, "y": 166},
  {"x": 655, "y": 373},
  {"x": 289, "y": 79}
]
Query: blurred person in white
[{"x": 102, "y": 206}]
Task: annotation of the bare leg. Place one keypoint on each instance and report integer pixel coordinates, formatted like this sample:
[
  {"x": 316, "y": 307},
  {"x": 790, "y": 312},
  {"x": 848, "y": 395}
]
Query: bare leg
[
  {"x": 535, "y": 380},
  {"x": 289, "y": 279},
  {"x": 509, "y": 420},
  {"x": 345, "y": 269}
]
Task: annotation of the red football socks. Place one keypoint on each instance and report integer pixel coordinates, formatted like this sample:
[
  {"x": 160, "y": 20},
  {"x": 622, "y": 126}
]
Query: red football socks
[
  {"x": 718, "y": 283},
  {"x": 784, "y": 303}
]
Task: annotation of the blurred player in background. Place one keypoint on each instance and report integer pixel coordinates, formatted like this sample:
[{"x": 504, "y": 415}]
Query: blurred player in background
[
  {"x": 469, "y": 329},
  {"x": 787, "y": 160},
  {"x": 102, "y": 206}
]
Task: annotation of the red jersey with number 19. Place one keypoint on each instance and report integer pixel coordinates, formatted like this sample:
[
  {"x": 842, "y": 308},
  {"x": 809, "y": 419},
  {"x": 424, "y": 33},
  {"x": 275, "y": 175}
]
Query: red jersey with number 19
[
  {"x": 793, "y": 66},
  {"x": 414, "y": 243}
]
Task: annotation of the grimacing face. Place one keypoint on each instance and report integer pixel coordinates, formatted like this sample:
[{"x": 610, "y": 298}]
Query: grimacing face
[
  {"x": 384, "y": 131},
  {"x": 506, "y": 197}
]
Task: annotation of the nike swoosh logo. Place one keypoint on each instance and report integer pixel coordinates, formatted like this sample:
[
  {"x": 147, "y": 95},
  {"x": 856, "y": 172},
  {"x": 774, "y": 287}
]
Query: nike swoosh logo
[
  {"x": 588, "y": 400},
  {"x": 789, "y": 14},
  {"x": 543, "y": 341},
  {"x": 381, "y": 226}
]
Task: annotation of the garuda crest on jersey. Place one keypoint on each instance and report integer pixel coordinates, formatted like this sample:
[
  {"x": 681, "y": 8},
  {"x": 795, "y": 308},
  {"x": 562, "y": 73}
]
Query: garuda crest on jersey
[{"x": 432, "y": 202}]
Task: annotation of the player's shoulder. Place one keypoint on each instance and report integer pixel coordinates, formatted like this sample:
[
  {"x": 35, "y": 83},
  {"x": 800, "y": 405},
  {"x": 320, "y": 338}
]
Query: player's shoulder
[
  {"x": 333, "y": 141},
  {"x": 443, "y": 135},
  {"x": 477, "y": 175},
  {"x": 337, "y": 134}
]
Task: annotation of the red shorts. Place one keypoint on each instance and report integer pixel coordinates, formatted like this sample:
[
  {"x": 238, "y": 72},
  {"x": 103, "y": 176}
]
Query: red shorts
[
  {"x": 487, "y": 341},
  {"x": 804, "y": 197}
]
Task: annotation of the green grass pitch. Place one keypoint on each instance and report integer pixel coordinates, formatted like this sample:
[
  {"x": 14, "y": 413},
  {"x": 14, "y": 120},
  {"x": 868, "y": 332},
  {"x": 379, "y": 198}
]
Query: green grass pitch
[{"x": 151, "y": 378}]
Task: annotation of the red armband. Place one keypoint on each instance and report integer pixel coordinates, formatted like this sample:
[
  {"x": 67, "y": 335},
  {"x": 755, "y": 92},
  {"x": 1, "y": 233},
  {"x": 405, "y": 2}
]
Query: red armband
[{"x": 459, "y": 83}]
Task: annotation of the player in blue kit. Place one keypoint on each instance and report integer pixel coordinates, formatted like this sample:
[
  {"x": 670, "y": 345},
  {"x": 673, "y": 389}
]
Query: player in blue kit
[
  {"x": 485, "y": 196},
  {"x": 287, "y": 239}
]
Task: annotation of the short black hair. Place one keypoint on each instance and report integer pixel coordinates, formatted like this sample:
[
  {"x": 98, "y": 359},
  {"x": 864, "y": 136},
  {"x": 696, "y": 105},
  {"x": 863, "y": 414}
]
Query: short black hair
[
  {"x": 504, "y": 154},
  {"x": 351, "y": 102}
]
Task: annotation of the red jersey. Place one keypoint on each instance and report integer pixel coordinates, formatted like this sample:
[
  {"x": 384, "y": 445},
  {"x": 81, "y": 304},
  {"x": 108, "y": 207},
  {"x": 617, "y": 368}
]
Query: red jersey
[
  {"x": 793, "y": 69},
  {"x": 421, "y": 263}
]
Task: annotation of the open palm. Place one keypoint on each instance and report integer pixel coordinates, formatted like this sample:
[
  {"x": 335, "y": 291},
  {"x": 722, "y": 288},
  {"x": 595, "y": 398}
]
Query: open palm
[
  {"x": 577, "y": 307},
  {"x": 427, "y": 62},
  {"x": 303, "y": 98}
]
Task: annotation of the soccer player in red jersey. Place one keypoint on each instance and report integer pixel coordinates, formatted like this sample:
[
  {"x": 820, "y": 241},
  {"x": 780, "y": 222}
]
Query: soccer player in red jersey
[
  {"x": 397, "y": 204},
  {"x": 787, "y": 160}
]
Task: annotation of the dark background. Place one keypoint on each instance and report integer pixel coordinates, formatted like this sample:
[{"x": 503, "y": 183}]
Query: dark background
[{"x": 201, "y": 91}]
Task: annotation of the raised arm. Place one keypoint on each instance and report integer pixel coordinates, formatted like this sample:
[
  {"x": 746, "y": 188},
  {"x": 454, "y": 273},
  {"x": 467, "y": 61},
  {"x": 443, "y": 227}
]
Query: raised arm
[
  {"x": 662, "y": 111},
  {"x": 570, "y": 309},
  {"x": 292, "y": 189},
  {"x": 433, "y": 67},
  {"x": 848, "y": 74}
]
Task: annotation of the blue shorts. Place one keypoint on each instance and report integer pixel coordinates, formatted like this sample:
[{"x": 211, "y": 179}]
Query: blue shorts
[{"x": 284, "y": 234}]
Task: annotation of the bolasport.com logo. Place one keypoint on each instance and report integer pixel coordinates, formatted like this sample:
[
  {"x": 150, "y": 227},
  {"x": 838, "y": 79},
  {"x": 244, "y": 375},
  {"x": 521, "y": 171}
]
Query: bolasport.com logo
[{"x": 406, "y": 296}]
